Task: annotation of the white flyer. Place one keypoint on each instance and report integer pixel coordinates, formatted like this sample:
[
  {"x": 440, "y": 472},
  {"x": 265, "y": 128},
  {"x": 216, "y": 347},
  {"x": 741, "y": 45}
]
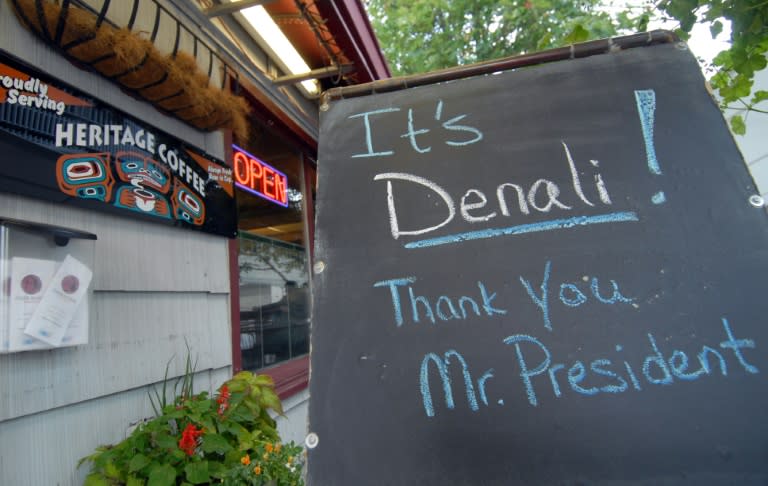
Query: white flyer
[
  {"x": 60, "y": 302},
  {"x": 77, "y": 333},
  {"x": 29, "y": 279}
]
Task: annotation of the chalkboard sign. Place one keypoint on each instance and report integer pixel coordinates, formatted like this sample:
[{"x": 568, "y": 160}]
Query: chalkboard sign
[{"x": 551, "y": 275}]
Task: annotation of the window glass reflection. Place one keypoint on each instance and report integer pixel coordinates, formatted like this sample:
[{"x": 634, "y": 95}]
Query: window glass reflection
[{"x": 274, "y": 301}]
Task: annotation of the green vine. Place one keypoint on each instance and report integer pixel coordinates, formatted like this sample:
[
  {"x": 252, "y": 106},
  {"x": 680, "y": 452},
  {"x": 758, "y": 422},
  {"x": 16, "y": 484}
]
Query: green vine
[{"x": 735, "y": 67}]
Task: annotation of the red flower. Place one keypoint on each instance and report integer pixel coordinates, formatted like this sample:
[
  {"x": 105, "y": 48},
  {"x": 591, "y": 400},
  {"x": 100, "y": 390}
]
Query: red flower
[
  {"x": 188, "y": 441},
  {"x": 223, "y": 399}
]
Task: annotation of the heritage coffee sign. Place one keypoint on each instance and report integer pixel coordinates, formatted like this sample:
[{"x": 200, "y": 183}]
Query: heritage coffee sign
[
  {"x": 544, "y": 276},
  {"x": 68, "y": 147}
]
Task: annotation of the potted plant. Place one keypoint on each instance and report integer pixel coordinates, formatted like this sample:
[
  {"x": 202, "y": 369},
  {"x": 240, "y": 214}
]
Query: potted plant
[{"x": 229, "y": 438}]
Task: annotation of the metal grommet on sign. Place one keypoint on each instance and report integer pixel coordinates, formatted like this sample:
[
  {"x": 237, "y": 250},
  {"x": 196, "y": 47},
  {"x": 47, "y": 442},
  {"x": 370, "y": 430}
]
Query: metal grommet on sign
[
  {"x": 319, "y": 266},
  {"x": 324, "y": 102},
  {"x": 756, "y": 201},
  {"x": 311, "y": 440}
]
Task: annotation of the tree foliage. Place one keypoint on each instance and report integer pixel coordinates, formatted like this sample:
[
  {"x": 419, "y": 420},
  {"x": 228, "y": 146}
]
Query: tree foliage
[
  {"x": 735, "y": 67},
  {"x": 425, "y": 35}
]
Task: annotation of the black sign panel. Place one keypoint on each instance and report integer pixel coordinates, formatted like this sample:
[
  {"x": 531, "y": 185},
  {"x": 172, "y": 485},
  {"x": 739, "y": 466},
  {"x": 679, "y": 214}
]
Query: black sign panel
[
  {"x": 62, "y": 145},
  {"x": 544, "y": 276}
]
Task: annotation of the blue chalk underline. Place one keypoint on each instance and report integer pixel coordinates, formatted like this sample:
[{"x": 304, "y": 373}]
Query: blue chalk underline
[{"x": 555, "y": 224}]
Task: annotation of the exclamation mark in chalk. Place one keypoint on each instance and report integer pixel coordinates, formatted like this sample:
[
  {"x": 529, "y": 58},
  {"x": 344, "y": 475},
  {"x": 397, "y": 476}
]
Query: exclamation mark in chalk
[{"x": 646, "y": 108}]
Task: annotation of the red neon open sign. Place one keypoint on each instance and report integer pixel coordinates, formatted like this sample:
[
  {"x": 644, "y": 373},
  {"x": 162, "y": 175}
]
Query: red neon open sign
[{"x": 257, "y": 177}]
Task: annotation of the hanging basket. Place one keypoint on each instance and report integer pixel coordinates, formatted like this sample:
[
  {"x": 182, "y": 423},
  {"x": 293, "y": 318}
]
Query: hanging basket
[{"x": 173, "y": 84}]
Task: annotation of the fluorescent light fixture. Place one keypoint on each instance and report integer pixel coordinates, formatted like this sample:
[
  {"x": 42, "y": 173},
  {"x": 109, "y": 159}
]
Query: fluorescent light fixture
[{"x": 271, "y": 34}]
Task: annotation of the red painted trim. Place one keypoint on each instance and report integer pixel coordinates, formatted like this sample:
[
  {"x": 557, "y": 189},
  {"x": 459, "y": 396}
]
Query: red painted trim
[
  {"x": 358, "y": 17},
  {"x": 234, "y": 277},
  {"x": 348, "y": 20},
  {"x": 290, "y": 377}
]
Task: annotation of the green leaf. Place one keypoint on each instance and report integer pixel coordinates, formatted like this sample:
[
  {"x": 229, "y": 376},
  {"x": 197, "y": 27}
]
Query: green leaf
[
  {"x": 217, "y": 470},
  {"x": 244, "y": 414},
  {"x": 642, "y": 23},
  {"x": 759, "y": 95},
  {"x": 177, "y": 455},
  {"x": 270, "y": 400},
  {"x": 723, "y": 58},
  {"x": 578, "y": 34},
  {"x": 544, "y": 42},
  {"x": 200, "y": 406},
  {"x": 737, "y": 125},
  {"x": 162, "y": 475},
  {"x": 139, "y": 461},
  {"x": 742, "y": 85},
  {"x": 134, "y": 481},
  {"x": 758, "y": 62},
  {"x": 237, "y": 430},
  {"x": 263, "y": 380},
  {"x": 215, "y": 443},
  {"x": 236, "y": 386},
  {"x": 716, "y": 28},
  {"x": 171, "y": 412},
  {"x": 197, "y": 472},
  {"x": 165, "y": 441},
  {"x": 111, "y": 471},
  {"x": 95, "y": 479}
]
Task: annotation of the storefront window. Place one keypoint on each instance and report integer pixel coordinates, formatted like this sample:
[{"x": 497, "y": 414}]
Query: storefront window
[
  {"x": 273, "y": 258},
  {"x": 274, "y": 301}
]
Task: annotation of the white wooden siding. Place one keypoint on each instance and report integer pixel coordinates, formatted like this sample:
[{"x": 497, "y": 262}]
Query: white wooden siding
[
  {"x": 43, "y": 449},
  {"x": 133, "y": 255},
  {"x": 133, "y": 336},
  {"x": 155, "y": 286}
]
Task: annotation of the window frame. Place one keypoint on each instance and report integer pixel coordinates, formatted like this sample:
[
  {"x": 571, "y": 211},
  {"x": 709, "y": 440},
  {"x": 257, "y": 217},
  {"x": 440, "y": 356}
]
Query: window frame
[{"x": 292, "y": 376}]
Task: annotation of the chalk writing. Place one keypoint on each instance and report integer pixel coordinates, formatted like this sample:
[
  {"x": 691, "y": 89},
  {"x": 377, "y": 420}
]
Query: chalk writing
[
  {"x": 442, "y": 365},
  {"x": 442, "y": 368},
  {"x": 646, "y": 108},
  {"x": 538, "y": 371},
  {"x": 570, "y": 294},
  {"x": 656, "y": 369},
  {"x": 444, "y": 308},
  {"x": 542, "y": 373},
  {"x": 368, "y": 134},
  {"x": 467, "y": 135},
  {"x": 542, "y": 195},
  {"x": 521, "y": 229}
]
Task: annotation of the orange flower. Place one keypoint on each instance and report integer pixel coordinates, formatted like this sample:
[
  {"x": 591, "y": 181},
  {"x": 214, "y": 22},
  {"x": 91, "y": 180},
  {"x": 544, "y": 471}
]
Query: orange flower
[
  {"x": 278, "y": 446},
  {"x": 257, "y": 470},
  {"x": 246, "y": 459},
  {"x": 290, "y": 459},
  {"x": 269, "y": 447}
]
